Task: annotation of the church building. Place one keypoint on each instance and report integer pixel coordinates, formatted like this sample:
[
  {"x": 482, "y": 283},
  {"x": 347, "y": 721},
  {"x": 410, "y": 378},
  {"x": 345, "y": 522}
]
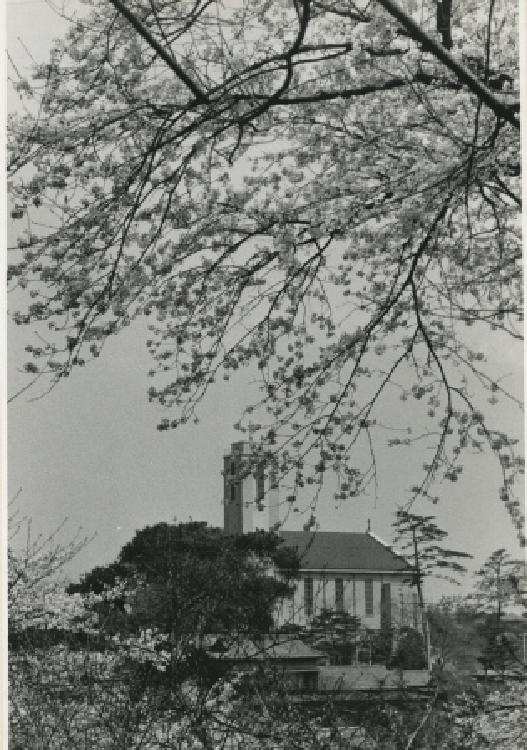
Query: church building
[{"x": 343, "y": 571}]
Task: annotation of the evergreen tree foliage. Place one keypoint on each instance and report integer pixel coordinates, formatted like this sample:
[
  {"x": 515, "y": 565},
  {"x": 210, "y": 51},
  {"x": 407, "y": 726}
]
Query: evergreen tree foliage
[{"x": 190, "y": 579}]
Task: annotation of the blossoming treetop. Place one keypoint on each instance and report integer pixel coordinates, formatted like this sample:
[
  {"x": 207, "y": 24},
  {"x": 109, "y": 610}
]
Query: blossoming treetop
[{"x": 326, "y": 191}]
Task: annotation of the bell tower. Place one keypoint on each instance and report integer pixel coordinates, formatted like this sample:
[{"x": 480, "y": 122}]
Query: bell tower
[{"x": 249, "y": 489}]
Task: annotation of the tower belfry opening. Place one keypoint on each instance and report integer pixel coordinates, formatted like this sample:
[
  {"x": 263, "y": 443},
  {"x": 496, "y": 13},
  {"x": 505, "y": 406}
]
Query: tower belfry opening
[{"x": 250, "y": 491}]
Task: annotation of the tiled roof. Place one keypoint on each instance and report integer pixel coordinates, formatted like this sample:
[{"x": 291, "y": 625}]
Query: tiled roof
[{"x": 342, "y": 550}]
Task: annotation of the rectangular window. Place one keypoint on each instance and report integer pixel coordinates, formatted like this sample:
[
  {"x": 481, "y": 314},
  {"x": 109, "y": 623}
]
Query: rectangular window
[
  {"x": 260, "y": 483},
  {"x": 226, "y": 479},
  {"x": 386, "y": 606},
  {"x": 368, "y": 597},
  {"x": 308, "y": 597},
  {"x": 415, "y": 610},
  {"x": 233, "y": 492},
  {"x": 402, "y": 608},
  {"x": 339, "y": 594}
]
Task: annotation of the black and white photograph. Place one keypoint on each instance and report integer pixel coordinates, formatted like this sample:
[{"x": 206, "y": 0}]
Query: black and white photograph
[{"x": 263, "y": 435}]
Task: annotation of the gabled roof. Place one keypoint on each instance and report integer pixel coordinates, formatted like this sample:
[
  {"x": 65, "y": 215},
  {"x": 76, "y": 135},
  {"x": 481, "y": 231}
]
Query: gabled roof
[{"x": 342, "y": 550}]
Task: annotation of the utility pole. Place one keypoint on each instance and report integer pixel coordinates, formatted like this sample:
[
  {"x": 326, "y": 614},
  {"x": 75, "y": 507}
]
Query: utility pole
[{"x": 419, "y": 586}]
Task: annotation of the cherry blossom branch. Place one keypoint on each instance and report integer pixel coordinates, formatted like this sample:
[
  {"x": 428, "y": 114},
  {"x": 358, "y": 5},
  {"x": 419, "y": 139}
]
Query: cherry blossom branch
[
  {"x": 461, "y": 71},
  {"x": 163, "y": 54}
]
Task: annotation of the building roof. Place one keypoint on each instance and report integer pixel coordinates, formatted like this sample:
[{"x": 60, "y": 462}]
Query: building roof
[
  {"x": 342, "y": 550},
  {"x": 290, "y": 649}
]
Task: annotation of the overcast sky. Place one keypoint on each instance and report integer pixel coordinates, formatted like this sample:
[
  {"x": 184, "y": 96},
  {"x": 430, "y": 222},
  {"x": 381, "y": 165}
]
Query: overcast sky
[{"x": 89, "y": 450}]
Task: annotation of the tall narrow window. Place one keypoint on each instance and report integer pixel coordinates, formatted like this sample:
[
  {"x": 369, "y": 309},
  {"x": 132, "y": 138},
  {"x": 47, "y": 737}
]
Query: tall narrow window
[
  {"x": 386, "y": 606},
  {"x": 402, "y": 608},
  {"x": 260, "y": 482},
  {"x": 339, "y": 594},
  {"x": 415, "y": 610},
  {"x": 308, "y": 597},
  {"x": 368, "y": 597},
  {"x": 227, "y": 478}
]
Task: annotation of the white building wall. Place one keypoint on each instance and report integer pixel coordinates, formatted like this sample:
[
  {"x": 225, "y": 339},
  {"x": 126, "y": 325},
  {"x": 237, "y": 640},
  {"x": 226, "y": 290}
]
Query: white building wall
[
  {"x": 360, "y": 599},
  {"x": 350, "y": 595},
  {"x": 403, "y": 603},
  {"x": 248, "y": 494}
]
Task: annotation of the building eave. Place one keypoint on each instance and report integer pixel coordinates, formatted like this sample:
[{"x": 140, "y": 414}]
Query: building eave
[{"x": 358, "y": 571}]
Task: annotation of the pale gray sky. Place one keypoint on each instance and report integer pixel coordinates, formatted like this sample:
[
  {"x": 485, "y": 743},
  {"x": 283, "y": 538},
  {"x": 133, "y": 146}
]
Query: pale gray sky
[{"x": 90, "y": 450}]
